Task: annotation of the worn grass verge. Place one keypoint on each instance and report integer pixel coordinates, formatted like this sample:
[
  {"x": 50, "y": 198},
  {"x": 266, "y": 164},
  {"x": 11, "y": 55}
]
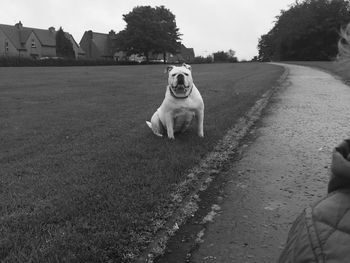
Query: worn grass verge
[{"x": 83, "y": 179}]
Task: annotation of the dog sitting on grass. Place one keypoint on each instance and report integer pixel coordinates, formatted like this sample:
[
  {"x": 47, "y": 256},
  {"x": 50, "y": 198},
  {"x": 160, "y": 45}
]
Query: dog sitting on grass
[{"x": 182, "y": 104}]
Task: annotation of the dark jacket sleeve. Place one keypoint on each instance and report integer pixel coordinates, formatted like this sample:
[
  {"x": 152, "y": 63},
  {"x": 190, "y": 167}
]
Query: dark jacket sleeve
[
  {"x": 340, "y": 170},
  {"x": 303, "y": 243}
]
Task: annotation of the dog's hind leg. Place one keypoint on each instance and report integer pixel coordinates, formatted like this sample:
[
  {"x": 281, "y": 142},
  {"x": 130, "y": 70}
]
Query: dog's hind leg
[{"x": 156, "y": 125}]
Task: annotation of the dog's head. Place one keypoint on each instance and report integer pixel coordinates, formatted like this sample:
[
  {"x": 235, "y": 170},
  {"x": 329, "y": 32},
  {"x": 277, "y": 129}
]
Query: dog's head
[{"x": 180, "y": 80}]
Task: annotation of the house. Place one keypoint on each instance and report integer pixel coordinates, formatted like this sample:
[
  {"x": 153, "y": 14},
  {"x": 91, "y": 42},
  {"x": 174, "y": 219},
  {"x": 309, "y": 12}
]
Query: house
[
  {"x": 78, "y": 51},
  {"x": 98, "y": 45},
  {"x": 184, "y": 55},
  {"x": 103, "y": 46},
  {"x": 29, "y": 42}
]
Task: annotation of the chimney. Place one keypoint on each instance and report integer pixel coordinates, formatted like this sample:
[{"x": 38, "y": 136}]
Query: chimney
[
  {"x": 52, "y": 29},
  {"x": 19, "y": 25},
  {"x": 89, "y": 34}
]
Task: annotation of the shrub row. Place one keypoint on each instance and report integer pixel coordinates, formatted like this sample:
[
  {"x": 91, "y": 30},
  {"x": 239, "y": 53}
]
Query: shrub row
[{"x": 27, "y": 62}]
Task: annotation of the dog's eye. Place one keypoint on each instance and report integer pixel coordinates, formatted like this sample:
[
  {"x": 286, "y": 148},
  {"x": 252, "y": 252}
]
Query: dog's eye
[
  {"x": 173, "y": 75},
  {"x": 186, "y": 74}
]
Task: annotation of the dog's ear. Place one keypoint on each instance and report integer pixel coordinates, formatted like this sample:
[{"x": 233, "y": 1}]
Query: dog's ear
[
  {"x": 168, "y": 68},
  {"x": 187, "y": 66}
]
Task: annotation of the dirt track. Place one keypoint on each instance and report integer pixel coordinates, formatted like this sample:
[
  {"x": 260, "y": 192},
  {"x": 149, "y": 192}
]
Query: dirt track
[{"x": 283, "y": 166}]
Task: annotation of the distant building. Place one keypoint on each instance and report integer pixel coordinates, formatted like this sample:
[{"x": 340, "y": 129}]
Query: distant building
[
  {"x": 78, "y": 51},
  {"x": 31, "y": 42},
  {"x": 184, "y": 54},
  {"x": 98, "y": 45},
  {"x": 102, "y": 46}
]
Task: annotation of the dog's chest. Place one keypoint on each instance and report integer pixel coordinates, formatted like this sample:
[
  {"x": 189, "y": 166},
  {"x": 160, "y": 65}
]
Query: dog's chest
[
  {"x": 180, "y": 111},
  {"x": 180, "y": 106},
  {"x": 182, "y": 117}
]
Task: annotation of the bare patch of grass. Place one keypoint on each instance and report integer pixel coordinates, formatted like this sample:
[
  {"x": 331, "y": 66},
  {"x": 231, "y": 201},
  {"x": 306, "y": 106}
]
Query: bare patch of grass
[{"x": 81, "y": 175}]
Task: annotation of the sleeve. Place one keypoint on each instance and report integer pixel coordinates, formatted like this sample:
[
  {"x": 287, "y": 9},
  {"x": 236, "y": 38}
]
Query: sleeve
[
  {"x": 340, "y": 169},
  {"x": 302, "y": 244}
]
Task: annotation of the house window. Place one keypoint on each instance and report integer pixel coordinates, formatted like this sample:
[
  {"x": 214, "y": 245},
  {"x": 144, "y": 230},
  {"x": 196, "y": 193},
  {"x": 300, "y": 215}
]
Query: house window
[
  {"x": 33, "y": 43},
  {"x": 6, "y": 46}
]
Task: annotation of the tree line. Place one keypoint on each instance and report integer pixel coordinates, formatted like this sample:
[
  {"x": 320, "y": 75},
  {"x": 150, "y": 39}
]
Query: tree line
[
  {"x": 308, "y": 30},
  {"x": 149, "y": 30},
  {"x": 154, "y": 30}
]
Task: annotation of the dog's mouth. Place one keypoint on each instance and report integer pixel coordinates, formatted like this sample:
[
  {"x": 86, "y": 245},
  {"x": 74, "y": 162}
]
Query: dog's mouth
[{"x": 181, "y": 88}]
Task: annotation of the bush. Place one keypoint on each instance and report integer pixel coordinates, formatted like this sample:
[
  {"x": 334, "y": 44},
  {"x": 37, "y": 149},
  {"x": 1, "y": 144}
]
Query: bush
[
  {"x": 28, "y": 62},
  {"x": 222, "y": 56},
  {"x": 202, "y": 60}
]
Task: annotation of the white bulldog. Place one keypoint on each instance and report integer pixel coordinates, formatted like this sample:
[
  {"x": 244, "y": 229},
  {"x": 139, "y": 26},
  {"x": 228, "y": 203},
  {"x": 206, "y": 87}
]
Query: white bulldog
[{"x": 182, "y": 103}]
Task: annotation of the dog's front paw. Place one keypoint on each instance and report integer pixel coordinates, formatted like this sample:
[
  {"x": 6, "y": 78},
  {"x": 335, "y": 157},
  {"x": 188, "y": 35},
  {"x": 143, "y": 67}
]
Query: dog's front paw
[{"x": 201, "y": 134}]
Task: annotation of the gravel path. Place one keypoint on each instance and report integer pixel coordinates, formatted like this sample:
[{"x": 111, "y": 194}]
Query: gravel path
[{"x": 284, "y": 166}]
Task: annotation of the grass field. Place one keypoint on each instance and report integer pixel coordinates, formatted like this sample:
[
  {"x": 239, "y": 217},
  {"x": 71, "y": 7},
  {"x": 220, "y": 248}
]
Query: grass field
[{"x": 82, "y": 178}]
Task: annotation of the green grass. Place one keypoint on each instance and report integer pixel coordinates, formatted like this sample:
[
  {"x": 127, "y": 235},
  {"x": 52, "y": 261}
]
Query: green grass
[
  {"x": 339, "y": 68},
  {"x": 82, "y": 178}
]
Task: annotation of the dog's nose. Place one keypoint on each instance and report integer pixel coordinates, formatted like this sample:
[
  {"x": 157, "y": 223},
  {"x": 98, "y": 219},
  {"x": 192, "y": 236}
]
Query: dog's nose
[{"x": 180, "y": 79}]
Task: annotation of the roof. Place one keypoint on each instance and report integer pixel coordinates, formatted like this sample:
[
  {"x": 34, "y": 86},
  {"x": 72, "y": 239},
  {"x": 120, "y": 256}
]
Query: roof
[
  {"x": 187, "y": 52},
  {"x": 46, "y": 37},
  {"x": 102, "y": 42},
  {"x": 13, "y": 35},
  {"x": 19, "y": 35},
  {"x": 69, "y": 36}
]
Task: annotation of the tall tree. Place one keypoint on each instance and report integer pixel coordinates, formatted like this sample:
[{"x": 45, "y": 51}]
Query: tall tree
[
  {"x": 64, "y": 47},
  {"x": 308, "y": 30},
  {"x": 148, "y": 30}
]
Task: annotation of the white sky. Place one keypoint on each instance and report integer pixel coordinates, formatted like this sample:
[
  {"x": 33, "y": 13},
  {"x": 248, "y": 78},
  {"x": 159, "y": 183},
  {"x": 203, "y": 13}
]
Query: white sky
[{"x": 207, "y": 25}]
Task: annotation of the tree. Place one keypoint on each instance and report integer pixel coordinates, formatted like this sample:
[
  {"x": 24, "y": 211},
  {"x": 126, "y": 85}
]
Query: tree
[
  {"x": 149, "y": 30},
  {"x": 200, "y": 59},
  {"x": 308, "y": 30},
  {"x": 64, "y": 47},
  {"x": 222, "y": 56},
  {"x": 266, "y": 47},
  {"x": 344, "y": 43},
  {"x": 254, "y": 59}
]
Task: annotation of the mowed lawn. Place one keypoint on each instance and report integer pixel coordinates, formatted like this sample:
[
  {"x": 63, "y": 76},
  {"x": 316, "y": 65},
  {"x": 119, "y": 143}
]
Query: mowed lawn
[{"x": 82, "y": 178}]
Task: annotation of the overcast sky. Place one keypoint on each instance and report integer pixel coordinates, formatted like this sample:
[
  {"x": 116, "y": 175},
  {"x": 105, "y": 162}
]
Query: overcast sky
[{"x": 206, "y": 25}]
